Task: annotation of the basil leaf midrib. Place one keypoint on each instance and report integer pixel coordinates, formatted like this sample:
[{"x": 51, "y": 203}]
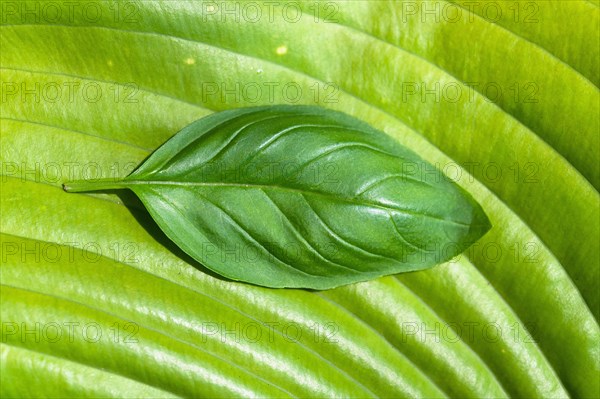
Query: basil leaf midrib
[{"x": 290, "y": 189}]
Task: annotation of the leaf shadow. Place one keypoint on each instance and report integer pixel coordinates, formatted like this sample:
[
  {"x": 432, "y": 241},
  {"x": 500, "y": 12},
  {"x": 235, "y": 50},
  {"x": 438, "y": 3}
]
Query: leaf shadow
[{"x": 136, "y": 208}]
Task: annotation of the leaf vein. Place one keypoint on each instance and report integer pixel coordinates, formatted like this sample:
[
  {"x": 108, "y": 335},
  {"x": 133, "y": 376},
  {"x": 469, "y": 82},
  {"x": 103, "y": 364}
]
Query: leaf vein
[
  {"x": 342, "y": 239},
  {"x": 215, "y": 299},
  {"x": 276, "y": 137},
  {"x": 289, "y": 222},
  {"x": 404, "y": 240},
  {"x": 164, "y": 333},
  {"x": 372, "y": 184},
  {"x": 248, "y": 235}
]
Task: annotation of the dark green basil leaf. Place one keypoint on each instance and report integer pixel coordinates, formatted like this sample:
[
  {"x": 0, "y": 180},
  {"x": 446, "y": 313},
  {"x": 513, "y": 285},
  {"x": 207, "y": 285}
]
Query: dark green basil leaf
[{"x": 301, "y": 196}]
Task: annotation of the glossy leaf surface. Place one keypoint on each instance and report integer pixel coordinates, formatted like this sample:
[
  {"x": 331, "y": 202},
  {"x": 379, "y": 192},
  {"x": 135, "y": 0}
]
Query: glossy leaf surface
[
  {"x": 298, "y": 196},
  {"x": 516, "y": 316}
]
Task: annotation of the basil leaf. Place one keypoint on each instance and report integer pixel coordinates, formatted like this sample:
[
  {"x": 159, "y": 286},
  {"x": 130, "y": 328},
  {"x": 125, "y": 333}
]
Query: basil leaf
[{"x": 301, "y": 196}]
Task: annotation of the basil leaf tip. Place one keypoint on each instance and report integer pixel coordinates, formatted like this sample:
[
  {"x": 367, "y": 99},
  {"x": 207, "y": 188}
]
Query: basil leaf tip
[{"x": 300, "y": 196}]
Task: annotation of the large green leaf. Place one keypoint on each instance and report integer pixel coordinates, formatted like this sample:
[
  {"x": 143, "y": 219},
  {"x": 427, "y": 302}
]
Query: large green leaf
[
  {"x": 95, "y": 90},
  {"x": 299, "y": 196}
]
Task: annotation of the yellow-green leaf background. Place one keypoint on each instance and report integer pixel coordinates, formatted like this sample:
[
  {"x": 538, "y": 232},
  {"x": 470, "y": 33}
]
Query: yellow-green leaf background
[{"x": 501, "y": 95}]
